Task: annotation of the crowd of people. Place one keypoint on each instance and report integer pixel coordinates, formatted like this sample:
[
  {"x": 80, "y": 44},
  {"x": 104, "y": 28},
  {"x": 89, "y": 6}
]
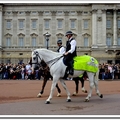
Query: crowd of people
[
  {"x": 24, "y": 71},
  {"x": 109, "y": 71},
  {"x": 19, "y": 71}
]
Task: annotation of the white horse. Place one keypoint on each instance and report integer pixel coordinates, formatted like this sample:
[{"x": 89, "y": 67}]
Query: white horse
[{"x": 57, "y": 69}]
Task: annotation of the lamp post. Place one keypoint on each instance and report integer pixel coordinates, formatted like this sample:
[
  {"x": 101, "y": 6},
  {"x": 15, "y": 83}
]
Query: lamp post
[{"x": 47, "y": 35}]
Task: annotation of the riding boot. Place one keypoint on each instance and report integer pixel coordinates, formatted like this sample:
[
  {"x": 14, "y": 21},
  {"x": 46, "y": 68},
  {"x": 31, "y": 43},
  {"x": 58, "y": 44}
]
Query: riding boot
[{"x": 71, "y": 70}]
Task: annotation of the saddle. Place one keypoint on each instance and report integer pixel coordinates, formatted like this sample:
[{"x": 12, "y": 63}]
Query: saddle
[{"x": 84, "y": 63}]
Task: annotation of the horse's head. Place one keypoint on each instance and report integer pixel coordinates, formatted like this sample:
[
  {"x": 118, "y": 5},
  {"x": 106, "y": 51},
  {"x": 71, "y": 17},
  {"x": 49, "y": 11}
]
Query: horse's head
[{"x": 35, "y": 60}]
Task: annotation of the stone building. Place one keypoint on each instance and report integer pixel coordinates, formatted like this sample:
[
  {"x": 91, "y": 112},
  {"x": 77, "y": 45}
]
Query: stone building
[{"x": 96, "y": 28}]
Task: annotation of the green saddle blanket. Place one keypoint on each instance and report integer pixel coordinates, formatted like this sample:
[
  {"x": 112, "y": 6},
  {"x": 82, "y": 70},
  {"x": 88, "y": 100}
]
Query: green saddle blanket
[{"x": 85, "y": 62}]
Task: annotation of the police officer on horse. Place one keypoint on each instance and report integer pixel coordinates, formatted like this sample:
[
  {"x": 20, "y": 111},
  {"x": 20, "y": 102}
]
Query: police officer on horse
[
  {"x": 70, "y": 51},
  {"x": 60, "y": 49}
]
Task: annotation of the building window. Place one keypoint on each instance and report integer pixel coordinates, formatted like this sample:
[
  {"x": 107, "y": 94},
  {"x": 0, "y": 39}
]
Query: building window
[
  {"x": 34, "y": 23},
  {"x": 59, "y": 24},
  {"x": 20, "y": 53},
  {"x": 109, "y": 12},
  {"x": 118, "y": 42},
  {"x": 85, "y": 12},
  {"x": 33, "y": 41},
  {"x": 59, "y": 38},
  {"x": 21, "y": 24},
  {"x": 108, "y": 24},
  {"x": 21, "y": 41},
  {"x": 72, "y": 12},
  {"x": 8, "y": 12},
  {"x": 8, "y": 24},
  {"x": 72, "y": 24},
  {"x": 118, "y": 12},
  {"x": 85, "y": 41},
  {"x": 108, "y": 41},
  {"x": 118, "y": 23},
  {"x": 59, "y": 12},
  {"x": 85, "y": 24},
  {"x": 21, "y": 13},
  {"x": 46, "y": 24},
  {"x": 8, "y": 41},
  {"x": 47, "y": 12},
  {"x": 34, "y": 12}
]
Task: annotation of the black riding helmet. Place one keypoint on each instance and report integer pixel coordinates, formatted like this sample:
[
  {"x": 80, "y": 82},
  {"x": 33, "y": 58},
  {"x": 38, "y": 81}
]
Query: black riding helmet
[
  {"x": 59, "y": 42},
  {"x": 68, "y": 33}
]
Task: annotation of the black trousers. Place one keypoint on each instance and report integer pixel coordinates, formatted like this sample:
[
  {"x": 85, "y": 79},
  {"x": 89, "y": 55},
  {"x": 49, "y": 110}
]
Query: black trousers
[{"x": 68, "y": 59}]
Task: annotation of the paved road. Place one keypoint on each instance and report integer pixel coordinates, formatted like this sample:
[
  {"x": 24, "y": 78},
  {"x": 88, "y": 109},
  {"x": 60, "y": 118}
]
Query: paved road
[
  {"x": 19, "y": 98},
  {"x": 110, "y": 105}
]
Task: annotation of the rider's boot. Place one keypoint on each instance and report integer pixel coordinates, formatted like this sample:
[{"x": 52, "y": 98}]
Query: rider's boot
[{"x": 71, "y": 70}]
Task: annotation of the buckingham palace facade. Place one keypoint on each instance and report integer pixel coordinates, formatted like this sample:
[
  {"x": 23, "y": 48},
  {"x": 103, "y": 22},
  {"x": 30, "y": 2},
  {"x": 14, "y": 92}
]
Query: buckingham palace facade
[{"x": 96, "y": 28}]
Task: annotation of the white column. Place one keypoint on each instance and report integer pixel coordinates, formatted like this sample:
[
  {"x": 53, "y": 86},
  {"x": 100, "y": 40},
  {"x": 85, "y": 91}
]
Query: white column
[
  {"x": 52, "y": 40},
  {"x": 114, "y": 29},
  {"x": 104, "y": 27},
  {"x": 0, "y": 26},
  {"x": 94, "y": 29}
]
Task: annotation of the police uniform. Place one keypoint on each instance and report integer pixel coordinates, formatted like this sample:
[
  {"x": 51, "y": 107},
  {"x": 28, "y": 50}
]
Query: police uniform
[
  {"x": 71, "y": 49},
  {"x": 61, "y": 49}
]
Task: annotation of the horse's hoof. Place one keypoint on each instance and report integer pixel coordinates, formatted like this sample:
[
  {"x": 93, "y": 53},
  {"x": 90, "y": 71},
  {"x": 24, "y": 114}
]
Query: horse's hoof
[
  {"x": 58, "y": 95},
  {"x": 73, "y": 94},
  {"x": 39, "y": 95},
  {"x": 47, "y": 102},
  {"x": 68, "y": 100},
  {"x": 85, "y": 91},
  {"x": 101, "y": 96},
  {"x": 86, "y": 100}
]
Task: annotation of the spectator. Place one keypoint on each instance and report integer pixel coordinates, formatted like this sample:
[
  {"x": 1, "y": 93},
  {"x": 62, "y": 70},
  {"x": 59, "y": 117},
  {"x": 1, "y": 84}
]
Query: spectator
[{"x": 28, "y": 71}]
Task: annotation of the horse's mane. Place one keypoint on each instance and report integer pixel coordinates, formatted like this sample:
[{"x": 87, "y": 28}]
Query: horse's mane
[{"x": 48, "y": 51}]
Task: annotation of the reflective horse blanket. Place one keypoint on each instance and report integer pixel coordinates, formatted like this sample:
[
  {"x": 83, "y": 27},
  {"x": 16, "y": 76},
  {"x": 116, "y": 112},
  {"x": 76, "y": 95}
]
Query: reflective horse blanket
[{"x": 85, "y": 62}]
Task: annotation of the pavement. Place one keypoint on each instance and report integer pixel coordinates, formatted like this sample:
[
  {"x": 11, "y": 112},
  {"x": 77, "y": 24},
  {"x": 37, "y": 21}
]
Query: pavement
[{"x": 18, "y": 97}]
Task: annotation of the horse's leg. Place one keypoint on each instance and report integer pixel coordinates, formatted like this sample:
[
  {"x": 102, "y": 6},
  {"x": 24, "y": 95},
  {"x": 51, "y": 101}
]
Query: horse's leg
[
  {"x": 96, "y": 86},
  {"x": 59, "y": 91},
  {"x": 43, "y": 86},
  {"x": 67, "y": 91},
  {"x": 91, "y": 83},
  {"x": 54, "y": 82},
  {"x": 76, "y": 79},
  {"x": 82, "y": 84}
]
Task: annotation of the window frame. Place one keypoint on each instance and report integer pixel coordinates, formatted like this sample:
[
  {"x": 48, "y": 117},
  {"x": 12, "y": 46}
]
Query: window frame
[
  {"x": 47, "y": 23},
  {"x": 108, "y": 24},
  {"x": 21, "y": 43},
  {"x": 72, "y": 24},
  {"x": 34, "y": 41},
  {"x": 85, "y": 24},
  {"x": 86, "y": 38},
  {"x": 8, "y": 41},
  {"x": 59, "y": 23},
  {"x": 34, "y": 24},
  {"x": 109, "y": 41},
  {"x": 21, "y": 24},
  {"x": 8, "y": 24}
]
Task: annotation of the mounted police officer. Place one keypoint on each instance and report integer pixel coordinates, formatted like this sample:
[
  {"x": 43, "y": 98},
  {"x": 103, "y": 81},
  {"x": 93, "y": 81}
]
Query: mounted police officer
[
  {"x": 60, "y": 49},
  {"x": 70, "y": 51}
]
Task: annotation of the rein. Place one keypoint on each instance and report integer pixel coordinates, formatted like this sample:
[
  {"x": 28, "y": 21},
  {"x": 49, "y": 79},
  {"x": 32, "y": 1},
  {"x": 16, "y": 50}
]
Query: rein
[
  {"x": 54, "y": 60},
  {"x": 48, "y": 62}
]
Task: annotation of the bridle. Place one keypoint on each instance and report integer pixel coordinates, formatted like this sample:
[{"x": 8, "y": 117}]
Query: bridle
[
  {"x": 37, "y": 57},
  {"x": 53, "y": 61}
]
